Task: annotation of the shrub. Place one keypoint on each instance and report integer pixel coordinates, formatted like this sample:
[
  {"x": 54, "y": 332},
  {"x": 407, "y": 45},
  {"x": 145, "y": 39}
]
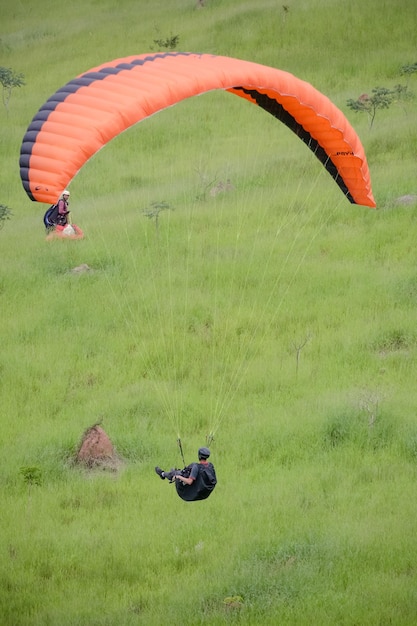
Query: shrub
[
  {"x": 9, "y": 80},
  {"x": 5, "y": 214}
]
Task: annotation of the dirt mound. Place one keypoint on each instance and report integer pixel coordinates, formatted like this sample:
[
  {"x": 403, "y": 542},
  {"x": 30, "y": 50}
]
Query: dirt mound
[{"x": 96, "y": 450}]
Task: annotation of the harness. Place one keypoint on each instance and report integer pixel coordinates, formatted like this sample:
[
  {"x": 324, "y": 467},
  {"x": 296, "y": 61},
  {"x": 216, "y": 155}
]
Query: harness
[
  {"x": 201, "y": 487},
  {"x": 49, "y": 219}
]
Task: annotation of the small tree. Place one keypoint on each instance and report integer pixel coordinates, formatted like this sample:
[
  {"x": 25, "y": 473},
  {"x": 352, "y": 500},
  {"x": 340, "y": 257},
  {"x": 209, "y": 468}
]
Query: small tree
[
  {"x": 5, "y": 214},
  {"x": 298, "y": 347},
  {"x": 381, "y": 98},
  {"x": 285, "y": 11},
  {"x": 169, "y": 43},
  {"x": 402, "y": 95},
  {"x": 206, "y": 183},
  {"x": 32, "y": 475},
  {"x": 9, "y": 80},
  {"x": 408, "y": 69},
  {"x": 154, "y": 211}
]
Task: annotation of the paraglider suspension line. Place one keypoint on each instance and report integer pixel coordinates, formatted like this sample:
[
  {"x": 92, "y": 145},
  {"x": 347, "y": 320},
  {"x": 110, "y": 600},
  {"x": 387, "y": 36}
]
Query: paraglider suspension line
[{"x": 181, "y": 451}]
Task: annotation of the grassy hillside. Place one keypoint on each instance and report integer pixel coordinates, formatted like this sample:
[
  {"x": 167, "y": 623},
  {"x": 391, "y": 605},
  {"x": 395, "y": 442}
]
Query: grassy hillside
[{"x": 272, "y": 315}]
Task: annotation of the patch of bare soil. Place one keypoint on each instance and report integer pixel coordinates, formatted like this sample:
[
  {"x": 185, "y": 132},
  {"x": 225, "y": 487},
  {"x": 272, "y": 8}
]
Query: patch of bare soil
[{"x": 407, "y": 200}]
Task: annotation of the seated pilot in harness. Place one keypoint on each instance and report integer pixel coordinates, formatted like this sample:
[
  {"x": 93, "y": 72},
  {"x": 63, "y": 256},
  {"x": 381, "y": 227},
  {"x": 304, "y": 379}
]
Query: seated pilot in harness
[{"x": 194, "y": 482}]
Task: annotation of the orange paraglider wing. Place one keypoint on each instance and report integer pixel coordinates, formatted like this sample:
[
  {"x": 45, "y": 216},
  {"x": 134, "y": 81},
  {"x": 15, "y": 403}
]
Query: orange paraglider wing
[{"x": 89, "y": 111}]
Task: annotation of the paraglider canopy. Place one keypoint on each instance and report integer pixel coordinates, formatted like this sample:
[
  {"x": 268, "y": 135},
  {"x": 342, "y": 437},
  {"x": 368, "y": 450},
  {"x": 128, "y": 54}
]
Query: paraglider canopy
[{"x": 93, "y": 108}]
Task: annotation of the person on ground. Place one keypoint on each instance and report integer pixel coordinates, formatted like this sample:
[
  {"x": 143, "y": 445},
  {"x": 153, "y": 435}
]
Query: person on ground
[
  {"x": 57, "y": 214},
  {"x": 63, "y": 211}
]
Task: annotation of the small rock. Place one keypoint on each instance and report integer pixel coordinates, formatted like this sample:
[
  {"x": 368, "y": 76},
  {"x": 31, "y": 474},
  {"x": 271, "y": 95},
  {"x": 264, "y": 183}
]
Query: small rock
[{"x": 81, "y": 269}]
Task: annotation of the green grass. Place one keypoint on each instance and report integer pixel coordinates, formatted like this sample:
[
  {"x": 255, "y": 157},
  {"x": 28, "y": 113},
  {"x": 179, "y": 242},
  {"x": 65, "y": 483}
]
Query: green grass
[{"x": 276, "y": 316}]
